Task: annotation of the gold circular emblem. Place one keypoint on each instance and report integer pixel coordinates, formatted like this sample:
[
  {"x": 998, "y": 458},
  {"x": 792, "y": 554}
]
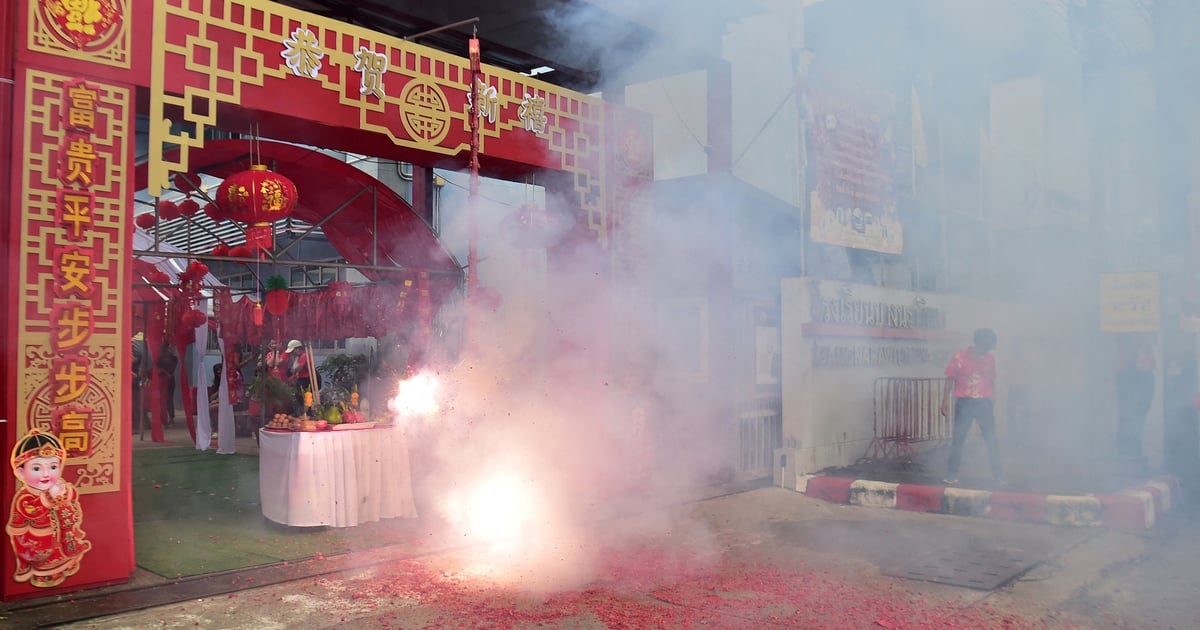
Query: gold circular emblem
[
  {"x": 87, "y": 25},
  {"x": 426, "y": 115}
]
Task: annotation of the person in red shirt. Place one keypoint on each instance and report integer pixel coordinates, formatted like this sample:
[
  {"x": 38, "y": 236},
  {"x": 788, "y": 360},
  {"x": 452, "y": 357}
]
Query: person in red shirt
[{"x": 973, "y": 372}]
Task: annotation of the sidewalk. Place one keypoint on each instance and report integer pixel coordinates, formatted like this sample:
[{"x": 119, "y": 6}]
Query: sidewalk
[{"x": 1041, "y": 486}]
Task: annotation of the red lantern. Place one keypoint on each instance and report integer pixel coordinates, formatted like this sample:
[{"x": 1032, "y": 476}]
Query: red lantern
[
  {"x": 193, "y": 318},
  {"x": 188, "y": 207},
  {"x": 197, "y": 270},
  {"x": 145, "y": 221},
  {"x": 258, "y": 315},
  {"x": 183, "y": 182},
  {"x": 257, "y": 197},
  {"x": 220, "y": 250},
  {"x": 167, "y": 210},
  {"x": 158, "y": 277},
  {"x": 214, "y": 212},
  {"x": 277, "y": 301},
  {"x": 240, "y": 251}
]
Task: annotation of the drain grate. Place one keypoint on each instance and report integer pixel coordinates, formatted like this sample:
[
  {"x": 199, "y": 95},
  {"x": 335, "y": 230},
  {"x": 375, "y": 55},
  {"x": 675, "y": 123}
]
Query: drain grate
[{"x": 981, "y": 570}]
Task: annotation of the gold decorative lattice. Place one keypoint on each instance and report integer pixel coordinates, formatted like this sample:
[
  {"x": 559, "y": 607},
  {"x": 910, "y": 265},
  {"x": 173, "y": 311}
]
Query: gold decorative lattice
[
  {"x": 100, "y": 34},
  {"x": 232, "y": 52}
]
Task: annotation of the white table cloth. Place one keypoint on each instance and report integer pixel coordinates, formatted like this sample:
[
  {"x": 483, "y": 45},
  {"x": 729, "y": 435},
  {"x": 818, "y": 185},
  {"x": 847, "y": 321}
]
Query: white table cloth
[{"x": 334, "y": 478}]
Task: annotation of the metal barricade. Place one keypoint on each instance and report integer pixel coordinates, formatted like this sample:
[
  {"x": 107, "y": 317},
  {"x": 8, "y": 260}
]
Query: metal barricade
[
  {"x": 760, "y": 432},
  {"x": 908, "y": 411}
]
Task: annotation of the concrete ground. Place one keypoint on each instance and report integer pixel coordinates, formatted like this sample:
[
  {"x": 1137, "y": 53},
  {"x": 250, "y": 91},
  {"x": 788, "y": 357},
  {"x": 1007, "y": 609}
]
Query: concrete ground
[
  {"x": 765, "y": 557},
  {"x": 726, "y": 557}
]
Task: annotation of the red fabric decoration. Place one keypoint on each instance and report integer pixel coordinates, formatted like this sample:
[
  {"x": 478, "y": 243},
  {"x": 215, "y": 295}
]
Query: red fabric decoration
[
  {"x": 158, "y": 277},
  {"x": 339, "y": 294}
]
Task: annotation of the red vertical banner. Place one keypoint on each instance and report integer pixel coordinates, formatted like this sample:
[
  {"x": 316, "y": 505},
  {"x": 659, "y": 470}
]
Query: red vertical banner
[
  {"x": 630, "y": 193},
  {"x": 9, "y": 160},
  {"x": 67, "y": 340}
]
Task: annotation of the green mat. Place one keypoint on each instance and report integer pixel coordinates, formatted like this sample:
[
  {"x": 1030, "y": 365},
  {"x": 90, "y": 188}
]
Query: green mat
[{"x": 198, "y": 512}]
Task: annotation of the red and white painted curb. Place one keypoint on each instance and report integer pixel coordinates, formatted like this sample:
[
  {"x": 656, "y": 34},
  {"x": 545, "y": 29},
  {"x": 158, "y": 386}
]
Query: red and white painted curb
[{"x": 1136, "y": 508}]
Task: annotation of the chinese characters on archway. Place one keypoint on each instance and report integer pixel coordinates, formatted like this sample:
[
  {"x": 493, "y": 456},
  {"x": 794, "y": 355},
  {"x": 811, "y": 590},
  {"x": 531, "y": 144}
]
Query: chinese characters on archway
[
  {"x": 71, "y": 259},
  {"x": 303, "y": 54}
]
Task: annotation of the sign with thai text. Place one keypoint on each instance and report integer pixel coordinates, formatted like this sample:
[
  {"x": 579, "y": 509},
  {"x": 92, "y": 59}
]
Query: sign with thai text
[
  {"x": 850, "y": 143},
  {"x": 872, "y": 356},
  {"x": 846, "y": 311}
]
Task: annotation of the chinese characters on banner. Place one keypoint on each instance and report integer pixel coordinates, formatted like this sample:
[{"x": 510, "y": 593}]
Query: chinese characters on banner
[
  {"x": 71, "y": 334},
  {"x": 73, "y": 308},
  {"x": 850, "y": 133},
  {"x": 1129, "y": 302},
  {"x": 303, "y": 55}
]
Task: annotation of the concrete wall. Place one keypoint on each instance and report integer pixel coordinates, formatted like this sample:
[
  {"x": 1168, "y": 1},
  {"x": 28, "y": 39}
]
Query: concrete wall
[{"x": 828, "y": 411}]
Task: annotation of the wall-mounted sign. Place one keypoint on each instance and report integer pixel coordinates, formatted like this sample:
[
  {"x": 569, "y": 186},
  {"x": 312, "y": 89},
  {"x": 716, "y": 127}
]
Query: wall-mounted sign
[
  {"x": 850, "y": 140},
  {"x": 873, "y": 356},
  {"x": 1129, "y": 302}
]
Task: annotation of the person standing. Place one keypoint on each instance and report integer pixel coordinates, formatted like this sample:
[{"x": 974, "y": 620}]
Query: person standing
[
  {"x": 137, "y": 367},
  {"x": 1135, "y": 394},
  {"x": 275, "y": 361},
  {"x": 167, "y": 365},
  {"x": 297, "y": 370},
  {"x": 973, "y": 375}
]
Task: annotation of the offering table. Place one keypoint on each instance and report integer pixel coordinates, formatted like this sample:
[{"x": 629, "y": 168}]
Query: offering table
[{"x": 334, "y": 478}]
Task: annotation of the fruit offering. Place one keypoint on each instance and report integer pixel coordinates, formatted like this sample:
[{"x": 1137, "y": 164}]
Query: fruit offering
[{"x": 281, "y": 421}]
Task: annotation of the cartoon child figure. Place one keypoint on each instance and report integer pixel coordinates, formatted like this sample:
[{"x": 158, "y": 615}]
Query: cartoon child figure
[{"x": 45, "y": 522}]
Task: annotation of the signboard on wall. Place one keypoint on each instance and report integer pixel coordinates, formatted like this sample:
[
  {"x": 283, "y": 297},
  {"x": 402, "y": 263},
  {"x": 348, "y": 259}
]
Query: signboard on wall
[
  {"x": 1129, "y": 302},
  {"x": 850, "y": 136}
]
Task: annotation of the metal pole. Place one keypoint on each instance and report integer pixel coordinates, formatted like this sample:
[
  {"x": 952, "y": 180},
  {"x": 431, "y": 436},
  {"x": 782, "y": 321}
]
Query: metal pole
[
  {"x": 140, "y": 253},
  {"x": 473, "y": 197},
  {"x": 439, "y": 29}
]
